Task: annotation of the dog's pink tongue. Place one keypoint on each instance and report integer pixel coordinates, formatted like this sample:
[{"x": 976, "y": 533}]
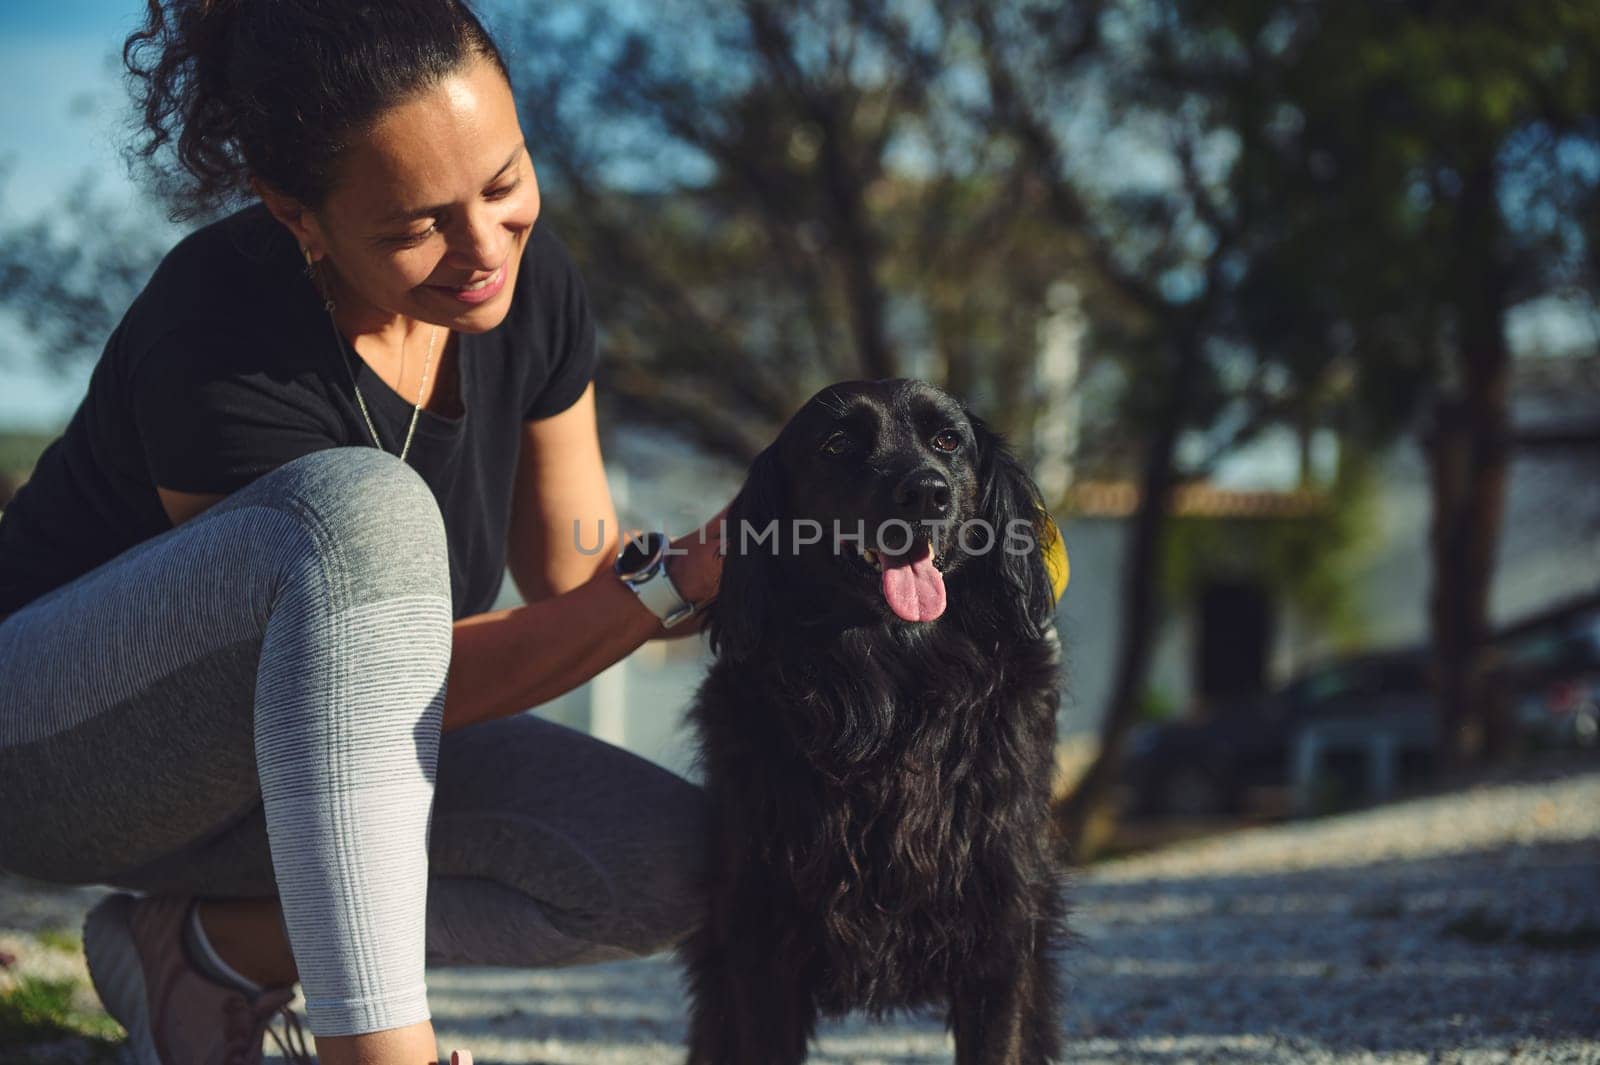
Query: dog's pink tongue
[{"x": 913, "y": 586}]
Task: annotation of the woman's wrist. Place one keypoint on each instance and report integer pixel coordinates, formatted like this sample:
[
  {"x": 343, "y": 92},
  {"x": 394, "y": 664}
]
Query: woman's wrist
[
  {"x": 694, "y": 562},
  {"x": 639, "y": 610},
  {"x": 685, "y": 580},
  {"x": 577, "y": 634}
]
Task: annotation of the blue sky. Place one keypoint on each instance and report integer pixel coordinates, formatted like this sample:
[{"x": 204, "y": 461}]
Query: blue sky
[
  {"x": 53, "y": 56},
  {"x": 62, "y": 102}
]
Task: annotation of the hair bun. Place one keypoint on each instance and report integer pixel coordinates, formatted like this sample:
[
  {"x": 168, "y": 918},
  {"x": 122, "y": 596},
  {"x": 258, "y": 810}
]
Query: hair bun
[{"x": 272, "y": 89}]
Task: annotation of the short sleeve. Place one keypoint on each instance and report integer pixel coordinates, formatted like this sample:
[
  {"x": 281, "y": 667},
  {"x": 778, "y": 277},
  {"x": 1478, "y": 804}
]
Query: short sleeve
[
  {"x": 210, "y": 419},
  {"x": 569, "y": 334}
]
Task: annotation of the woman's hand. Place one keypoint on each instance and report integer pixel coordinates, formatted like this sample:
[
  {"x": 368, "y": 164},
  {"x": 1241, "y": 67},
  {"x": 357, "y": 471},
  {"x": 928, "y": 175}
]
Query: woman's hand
[{"x": 697, "y": 571}]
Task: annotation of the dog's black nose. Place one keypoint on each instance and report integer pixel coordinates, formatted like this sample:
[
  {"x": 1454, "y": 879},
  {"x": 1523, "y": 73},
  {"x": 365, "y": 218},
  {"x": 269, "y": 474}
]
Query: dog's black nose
[{"x": 923, "y": 494}]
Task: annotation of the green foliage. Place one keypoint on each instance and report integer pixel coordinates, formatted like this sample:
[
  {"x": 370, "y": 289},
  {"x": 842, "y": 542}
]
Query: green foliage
[
  {"x": 65, "y": 940},
  {"x": 37, "y": 1011},
  {"x": 1158, "y": 705}
]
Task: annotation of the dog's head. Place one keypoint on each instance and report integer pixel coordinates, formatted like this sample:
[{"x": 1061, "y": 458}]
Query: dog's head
[{"x": 882, "y": 501}]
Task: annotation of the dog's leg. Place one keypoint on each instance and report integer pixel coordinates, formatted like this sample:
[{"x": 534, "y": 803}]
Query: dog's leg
[
  {"x": 987, "y": 1017},
  {"x": 1042, "y": 1032},
  {"x": 1013, "y": 1018},
  {"x": 750, "y": 1004},
  {"x": 716, "y": 999}
]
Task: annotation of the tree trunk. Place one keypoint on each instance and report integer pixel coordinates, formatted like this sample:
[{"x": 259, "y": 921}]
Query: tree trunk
[
  {"x": 1467, "y": 454},
  {"x": 1089, "y": 802}
]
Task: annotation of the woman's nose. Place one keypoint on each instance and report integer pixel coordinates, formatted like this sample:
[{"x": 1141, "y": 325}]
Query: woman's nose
[{"x": 482, "y": 242}]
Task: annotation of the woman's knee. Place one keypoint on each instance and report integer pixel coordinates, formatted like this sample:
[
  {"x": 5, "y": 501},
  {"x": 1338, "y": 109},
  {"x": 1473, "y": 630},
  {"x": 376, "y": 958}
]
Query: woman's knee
[
  {"x": 358, "y": 631},
  {"x": 372, "y": 522}
]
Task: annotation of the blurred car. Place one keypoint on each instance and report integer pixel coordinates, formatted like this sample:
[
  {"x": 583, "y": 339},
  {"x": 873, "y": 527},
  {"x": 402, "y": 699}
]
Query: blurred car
[
  {"x": 1210, "y": 766},
  {"x": 1549, "y": 668}
]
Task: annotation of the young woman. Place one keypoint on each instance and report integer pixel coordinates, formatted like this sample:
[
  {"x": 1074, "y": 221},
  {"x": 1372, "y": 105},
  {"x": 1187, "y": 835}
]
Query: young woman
[{"x": 246, "y": 592}]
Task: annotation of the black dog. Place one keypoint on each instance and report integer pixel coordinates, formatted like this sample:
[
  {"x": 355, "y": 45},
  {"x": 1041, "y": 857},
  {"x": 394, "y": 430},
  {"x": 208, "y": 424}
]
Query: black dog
[{"x": 877, "y": 736}]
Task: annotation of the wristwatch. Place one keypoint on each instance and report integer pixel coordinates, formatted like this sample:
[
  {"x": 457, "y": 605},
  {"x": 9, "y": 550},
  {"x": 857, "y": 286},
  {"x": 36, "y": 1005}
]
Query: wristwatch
[{"x": 642, "y": 566}]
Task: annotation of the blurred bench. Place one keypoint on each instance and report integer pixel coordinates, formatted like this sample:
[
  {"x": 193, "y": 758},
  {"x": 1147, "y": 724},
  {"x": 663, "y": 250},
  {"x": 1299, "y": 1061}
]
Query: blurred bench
[{"x": 1381, "y": 741}]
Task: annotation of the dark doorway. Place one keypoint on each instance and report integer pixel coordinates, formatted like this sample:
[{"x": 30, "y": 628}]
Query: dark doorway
[{"x": 1235, "y": 631}]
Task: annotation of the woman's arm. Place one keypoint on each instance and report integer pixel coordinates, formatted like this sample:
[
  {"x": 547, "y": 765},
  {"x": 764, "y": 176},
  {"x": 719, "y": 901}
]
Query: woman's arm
[
  {"x": 578, "y": 618},
  {"x": 560, "y": 477},
  {"x": 506, "y": 661}
]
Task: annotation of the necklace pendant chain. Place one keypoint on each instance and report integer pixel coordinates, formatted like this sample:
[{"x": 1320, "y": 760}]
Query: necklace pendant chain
[{"x": 422, "y": 389}]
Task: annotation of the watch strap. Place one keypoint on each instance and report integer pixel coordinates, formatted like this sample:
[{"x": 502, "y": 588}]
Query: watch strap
[
  {"x": 659, "y": 594},
  {"x": 652, "y": 584}
]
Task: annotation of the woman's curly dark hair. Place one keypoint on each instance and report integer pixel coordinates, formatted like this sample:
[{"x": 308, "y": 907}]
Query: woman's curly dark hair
[{"x": 278, "y": 88}]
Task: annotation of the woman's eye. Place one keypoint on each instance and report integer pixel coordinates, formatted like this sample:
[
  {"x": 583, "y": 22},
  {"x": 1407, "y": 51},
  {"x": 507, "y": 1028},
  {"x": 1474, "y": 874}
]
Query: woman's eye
[
  {"x": 837, "y": 444},
  {"x": 409, "y": 239},
  {"x": 947, "y": 440}
]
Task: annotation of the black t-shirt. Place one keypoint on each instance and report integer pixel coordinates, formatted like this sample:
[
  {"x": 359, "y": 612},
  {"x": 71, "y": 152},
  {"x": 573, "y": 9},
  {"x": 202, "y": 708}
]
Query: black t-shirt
[{"x": 226, "y": 366}]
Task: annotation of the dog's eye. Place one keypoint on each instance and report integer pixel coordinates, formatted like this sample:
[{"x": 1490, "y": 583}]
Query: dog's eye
[
  {"x": 947, "y": 440},
  {"x": 837, "y": 444}
]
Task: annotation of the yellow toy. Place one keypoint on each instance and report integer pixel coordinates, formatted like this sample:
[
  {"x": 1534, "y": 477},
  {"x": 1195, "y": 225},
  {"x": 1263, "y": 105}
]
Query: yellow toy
[{"x": 1055, "y": 559}]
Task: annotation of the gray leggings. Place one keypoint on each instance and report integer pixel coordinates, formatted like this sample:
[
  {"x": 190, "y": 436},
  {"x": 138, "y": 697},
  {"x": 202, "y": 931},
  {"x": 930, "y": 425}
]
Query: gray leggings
[{"x": 249, "y": 704}]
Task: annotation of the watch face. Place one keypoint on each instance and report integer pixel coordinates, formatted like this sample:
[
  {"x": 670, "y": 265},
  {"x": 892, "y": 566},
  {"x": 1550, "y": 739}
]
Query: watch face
[{"x": 635, "y": 558}]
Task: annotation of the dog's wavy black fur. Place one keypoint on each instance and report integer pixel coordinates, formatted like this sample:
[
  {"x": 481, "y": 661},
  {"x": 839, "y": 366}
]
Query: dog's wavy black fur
[{"x": 879, "y": 787}]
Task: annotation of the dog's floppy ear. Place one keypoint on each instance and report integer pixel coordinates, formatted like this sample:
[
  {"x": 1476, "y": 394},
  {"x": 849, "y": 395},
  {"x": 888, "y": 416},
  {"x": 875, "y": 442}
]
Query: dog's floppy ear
[
  {"x": 747, "y": 593},
  {"x": 1010, "y": 504}
]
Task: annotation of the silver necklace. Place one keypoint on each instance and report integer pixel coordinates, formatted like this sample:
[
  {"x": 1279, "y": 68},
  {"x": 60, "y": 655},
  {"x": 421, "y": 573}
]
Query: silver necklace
[{"x": 338, "y": 339}]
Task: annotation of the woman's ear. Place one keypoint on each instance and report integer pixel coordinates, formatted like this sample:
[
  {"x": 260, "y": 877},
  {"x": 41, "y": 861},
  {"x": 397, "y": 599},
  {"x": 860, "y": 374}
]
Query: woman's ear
[
  {"x": 1010, "y": 504},
  {"x": 740, "y": 617}
]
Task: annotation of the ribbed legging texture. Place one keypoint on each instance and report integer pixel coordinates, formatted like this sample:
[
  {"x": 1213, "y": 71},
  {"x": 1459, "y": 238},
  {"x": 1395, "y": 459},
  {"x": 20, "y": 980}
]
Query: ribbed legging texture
[{"x": 250, "y": 703}]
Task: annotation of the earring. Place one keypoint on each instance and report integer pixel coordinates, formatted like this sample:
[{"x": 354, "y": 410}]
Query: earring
[{"x": 311, "y": 272}]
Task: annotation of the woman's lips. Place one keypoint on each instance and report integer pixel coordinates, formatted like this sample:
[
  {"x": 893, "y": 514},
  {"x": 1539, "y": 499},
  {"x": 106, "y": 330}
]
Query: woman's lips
[{"x": 485, "y": 290}]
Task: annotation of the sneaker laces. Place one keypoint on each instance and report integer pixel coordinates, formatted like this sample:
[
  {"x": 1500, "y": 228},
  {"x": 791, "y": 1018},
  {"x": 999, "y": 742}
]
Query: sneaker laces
[
  {"x": 247, "y": 1020},
  {"x": 296, "y": 1051}
]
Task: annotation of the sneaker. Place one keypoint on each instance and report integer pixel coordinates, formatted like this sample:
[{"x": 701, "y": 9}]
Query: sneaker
[{"x": 174, "y": 1014}]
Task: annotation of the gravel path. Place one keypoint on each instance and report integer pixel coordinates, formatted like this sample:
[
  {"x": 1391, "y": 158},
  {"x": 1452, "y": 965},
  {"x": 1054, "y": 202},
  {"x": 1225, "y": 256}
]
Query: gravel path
[{"x": 1463, "y": 928}]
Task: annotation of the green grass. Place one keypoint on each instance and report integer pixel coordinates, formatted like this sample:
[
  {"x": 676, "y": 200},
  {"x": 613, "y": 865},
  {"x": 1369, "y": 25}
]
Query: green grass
[
  {"x": 64, "y": 940},
  {"x": 39, "y": 1012}
]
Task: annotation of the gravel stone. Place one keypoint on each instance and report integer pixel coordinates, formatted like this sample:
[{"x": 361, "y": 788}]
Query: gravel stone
[{"x": 1459, "y": 929}]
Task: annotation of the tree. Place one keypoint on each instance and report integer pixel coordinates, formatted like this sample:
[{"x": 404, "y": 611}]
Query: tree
[
  {"x": 70, "y": 276},
  {"x": 1415, "y": 172},
  {"x": 768, "y": 198},
  {"x": 1168, "y": 255}
]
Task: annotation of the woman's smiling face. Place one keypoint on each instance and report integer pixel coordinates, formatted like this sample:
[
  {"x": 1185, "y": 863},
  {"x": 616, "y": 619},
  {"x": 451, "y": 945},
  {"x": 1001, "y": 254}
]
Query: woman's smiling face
[{"x": 439, "y": 194}]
